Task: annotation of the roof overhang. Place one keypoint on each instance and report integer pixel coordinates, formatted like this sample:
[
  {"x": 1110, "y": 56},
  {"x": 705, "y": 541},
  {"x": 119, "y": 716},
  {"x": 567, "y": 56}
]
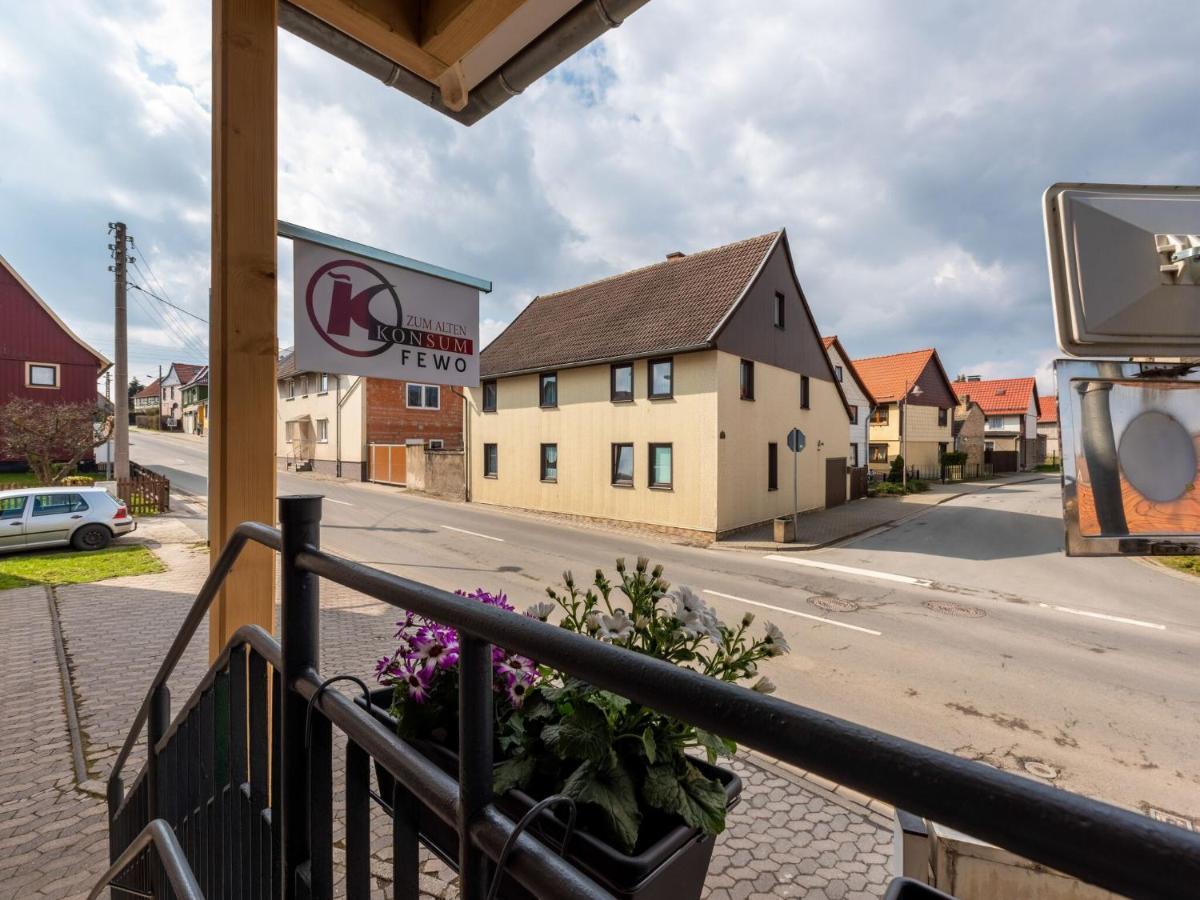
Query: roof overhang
[{"x": 463, "y": 58}]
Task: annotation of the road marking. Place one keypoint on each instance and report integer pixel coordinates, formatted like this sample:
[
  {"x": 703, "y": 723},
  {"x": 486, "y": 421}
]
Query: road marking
[
  {"x": 793, "y": 612},
  {"x": 341, "y": 502},
  {"x": 1106, "y": 616},
  {"x": 850, "y": 570},
  {"x": 486, "y": 537}
]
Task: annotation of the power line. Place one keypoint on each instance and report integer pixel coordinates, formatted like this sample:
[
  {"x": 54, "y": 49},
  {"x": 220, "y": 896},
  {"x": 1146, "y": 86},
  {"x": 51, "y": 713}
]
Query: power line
[
  {"x": 138, "y": 287},
  {"x": 184, "y": 337},
  {"x": 158, "y": 281}
]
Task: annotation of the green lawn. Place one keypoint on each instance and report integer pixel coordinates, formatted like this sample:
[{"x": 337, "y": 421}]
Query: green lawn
[
  {"x": 19, "y": 479},
  {"x": 73, "y": 567},
  {"x": 1189, "y": 564}
]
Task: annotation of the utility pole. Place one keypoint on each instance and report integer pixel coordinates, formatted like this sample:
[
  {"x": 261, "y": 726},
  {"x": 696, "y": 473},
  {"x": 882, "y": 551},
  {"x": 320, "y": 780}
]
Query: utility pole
[
  {"x": 108, "y": 447},
  {"x": 121, "y": 397}
]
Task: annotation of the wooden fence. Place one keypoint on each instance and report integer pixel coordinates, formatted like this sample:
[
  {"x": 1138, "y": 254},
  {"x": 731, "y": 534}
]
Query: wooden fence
[{"x": 145, "y": 492}]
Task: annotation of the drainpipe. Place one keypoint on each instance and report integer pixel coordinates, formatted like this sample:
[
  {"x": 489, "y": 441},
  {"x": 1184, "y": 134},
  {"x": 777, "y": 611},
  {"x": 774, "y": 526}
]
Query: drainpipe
[
  {"x": 466, "y": 445},
  {"x": 574, "y": 31}
]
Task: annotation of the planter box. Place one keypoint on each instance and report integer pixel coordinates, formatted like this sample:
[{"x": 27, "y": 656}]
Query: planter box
[
  {"x": 785, "y": 530},
  {"x": 672, "y": 867}
]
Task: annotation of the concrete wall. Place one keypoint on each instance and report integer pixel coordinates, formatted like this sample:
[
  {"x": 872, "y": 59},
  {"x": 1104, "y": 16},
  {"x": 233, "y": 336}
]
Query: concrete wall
[
  {"x": 437, "y": 472},
  {"x": 750, "y": 425},
  {"x": 924, "y": 435},
  {"x": 584, "y": 426}
]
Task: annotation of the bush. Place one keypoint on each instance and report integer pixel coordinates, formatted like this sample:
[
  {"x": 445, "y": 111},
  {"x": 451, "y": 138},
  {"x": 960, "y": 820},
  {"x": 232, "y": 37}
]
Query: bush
[
  {"x": 78, "y": 481},
  {"x": 897, "y": 472},
  {"x": 896, "y": 488},
  {"x": 953, "y": 458},
  {"x": 916, "y": 486}
]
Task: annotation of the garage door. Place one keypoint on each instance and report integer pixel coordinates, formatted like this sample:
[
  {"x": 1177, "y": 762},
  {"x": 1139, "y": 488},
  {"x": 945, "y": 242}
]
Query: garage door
[{"x": 389, "y": 463}]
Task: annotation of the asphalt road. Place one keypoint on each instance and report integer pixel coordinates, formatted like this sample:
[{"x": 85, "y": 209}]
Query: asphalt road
[{"x": 964, "y": 628}]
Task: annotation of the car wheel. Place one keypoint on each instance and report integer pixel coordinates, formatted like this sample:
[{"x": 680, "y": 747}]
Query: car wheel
[{"x": 91, "y": 537}]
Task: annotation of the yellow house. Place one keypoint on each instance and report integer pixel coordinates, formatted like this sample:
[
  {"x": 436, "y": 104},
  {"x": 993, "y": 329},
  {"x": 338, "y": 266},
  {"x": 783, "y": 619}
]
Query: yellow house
[
  {"x": 914, "y": 412},
  {"x": 663, "y": 397}
]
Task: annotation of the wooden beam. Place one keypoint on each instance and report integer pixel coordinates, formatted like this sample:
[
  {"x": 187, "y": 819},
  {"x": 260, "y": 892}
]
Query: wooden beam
[
  {"x": 241, "y": 474},
  {"x": 450, "y": 29},
  {"x": 382, "y": 26}
]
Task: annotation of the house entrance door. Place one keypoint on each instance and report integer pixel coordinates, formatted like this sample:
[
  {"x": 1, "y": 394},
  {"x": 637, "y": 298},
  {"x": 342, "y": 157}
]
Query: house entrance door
[{"x": 835, "y": 481}]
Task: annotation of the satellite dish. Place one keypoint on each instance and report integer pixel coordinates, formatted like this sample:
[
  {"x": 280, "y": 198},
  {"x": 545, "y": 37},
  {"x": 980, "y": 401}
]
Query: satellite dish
[{"x": 1125, "y": 269}]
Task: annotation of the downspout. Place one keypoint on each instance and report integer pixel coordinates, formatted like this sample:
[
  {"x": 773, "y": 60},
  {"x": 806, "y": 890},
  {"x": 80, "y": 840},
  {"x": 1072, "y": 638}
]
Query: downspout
[
  {"x": 574, "y": 31},
  {"x": 466, "y": 445},
  {"x": 341, "y": 401}
]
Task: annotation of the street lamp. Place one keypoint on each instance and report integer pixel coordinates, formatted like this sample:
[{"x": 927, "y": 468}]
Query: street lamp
[{"x": 915, "y": 391}]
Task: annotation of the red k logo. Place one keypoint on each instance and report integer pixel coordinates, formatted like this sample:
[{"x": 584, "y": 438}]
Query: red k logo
[{"x": 340, "y": 295}]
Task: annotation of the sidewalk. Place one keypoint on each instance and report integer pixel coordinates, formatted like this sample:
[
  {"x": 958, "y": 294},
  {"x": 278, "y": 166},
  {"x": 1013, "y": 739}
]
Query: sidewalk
[
  {"x": 822, "y": 528},
  {"x": 790, "y": 835}
]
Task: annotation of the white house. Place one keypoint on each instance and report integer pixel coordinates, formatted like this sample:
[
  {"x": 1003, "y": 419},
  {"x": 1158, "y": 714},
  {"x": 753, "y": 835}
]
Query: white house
[
  {"x": 170, "y": 393},
  {"x": 857, "y": 396}
]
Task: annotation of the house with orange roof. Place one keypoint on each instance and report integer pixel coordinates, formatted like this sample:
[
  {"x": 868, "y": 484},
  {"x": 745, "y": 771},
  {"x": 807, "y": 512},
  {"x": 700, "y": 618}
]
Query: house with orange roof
[
  {"x": 912, "y": 414},
  {"x": 1010, "y": 436},
  {"x": 858, "y": 398},
  {"x": 1047, "y": 429}
]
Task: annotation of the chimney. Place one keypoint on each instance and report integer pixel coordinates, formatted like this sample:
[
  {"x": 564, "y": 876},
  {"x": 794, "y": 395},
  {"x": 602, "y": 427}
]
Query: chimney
[{"x": 676, "y": 254}]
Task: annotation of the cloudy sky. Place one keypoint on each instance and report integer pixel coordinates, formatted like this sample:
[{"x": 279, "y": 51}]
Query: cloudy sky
[{"x": 904, "y": 147}]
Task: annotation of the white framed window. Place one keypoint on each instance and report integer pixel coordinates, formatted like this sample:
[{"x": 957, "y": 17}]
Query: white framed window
[
  {"x": 289, "y": 389},
  {"x": 322, "y": 431},
  {"x": 323, "y": 383},
  {"x": 42, "y": 375},
  {"x": 436, "y": 444},
  {"x": 854, "y": 453},
  {"x": 424, "y": 396}
]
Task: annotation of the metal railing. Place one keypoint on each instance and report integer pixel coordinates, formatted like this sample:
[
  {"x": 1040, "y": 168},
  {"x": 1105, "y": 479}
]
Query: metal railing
[
  {"x": 150, "y": 864},
  {"x": 250, "y": 793}
]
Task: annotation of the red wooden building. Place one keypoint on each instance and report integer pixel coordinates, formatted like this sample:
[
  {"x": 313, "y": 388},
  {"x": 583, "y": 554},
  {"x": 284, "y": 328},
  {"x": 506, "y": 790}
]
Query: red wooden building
[{"x": 40, "y": 357}]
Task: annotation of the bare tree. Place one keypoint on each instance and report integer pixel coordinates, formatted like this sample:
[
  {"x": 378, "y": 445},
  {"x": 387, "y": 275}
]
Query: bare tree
[{"x": 52, "y": 437}]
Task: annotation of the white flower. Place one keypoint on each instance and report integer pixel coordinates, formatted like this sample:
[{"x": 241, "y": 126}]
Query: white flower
[
  {"x": 694, "y": 615},
  {"x": 615, "y": 627},
  {"x": 540, "y": 610},
  {"x": 764, "y": 685},
  {"x": 777, "y": 644}
]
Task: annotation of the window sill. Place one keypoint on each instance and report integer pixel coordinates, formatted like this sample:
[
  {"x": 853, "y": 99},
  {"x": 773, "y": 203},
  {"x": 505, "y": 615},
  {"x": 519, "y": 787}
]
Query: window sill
[
  {"x": 542, "y": 406},
  {"x": 622, "y": 401},
  {"x": 660, "y": 397},
  {"x": 493, "y": 477},
  {"x": 322, "y": 393},
  {"x": 628, "y": 487},
  {"x": 750, "y": 399},
  {"x": 662, "y": 487},
  {"x": 488, "y": 411},
  {"x": 43, "y": 387},
  {"x": 772, "y": 490},
  {"x": 549, "y": 481}
]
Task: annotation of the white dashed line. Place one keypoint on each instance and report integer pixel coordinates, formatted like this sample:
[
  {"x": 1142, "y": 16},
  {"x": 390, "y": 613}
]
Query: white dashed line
[
  {"x": 793, "y": 612},
  {"x": 1095, "y": 615},
  {"x": 486, "y": 537},
  {"x": 850, "y": 570},
  {"x": 339, "y": 502}
]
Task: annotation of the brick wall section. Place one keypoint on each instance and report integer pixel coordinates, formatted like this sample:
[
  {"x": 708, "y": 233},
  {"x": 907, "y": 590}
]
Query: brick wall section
[{"x": 391, "y": 421}]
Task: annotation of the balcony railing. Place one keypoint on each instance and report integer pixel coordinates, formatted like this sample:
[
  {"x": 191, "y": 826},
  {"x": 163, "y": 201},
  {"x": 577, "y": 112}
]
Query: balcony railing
[{"x": 243, "y": 775}]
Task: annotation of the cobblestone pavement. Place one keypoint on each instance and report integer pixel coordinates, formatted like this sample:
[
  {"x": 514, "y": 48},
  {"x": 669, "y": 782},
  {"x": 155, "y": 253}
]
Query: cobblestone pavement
[{"x": 788, "y": 837}]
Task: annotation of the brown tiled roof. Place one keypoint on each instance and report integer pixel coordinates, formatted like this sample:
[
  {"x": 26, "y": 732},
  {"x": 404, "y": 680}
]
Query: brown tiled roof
[
  {"x": 669, "y": 306},
  {"x": 1047, "y": 409},
  {"x": 832, "y": 341},
  {"x": 186, "y": 371},
  {"x": 148, "y": 392},
  {"x": 201, "y": 377},
  {"x": 888, "y": 376},
  {"x": 999, "y": 396}
]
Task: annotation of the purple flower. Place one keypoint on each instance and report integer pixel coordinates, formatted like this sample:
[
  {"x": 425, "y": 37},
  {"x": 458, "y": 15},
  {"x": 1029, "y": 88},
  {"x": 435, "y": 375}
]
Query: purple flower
[
  {"x": 517, "y": 666},
  {"x": 435, "y": 648},
  {"x": 516, "y": 692},
  {"x": 417, "y": 682}
]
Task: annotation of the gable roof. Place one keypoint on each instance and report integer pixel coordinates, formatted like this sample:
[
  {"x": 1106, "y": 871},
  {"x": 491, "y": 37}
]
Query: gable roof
[
  {"x": 668, "y": 307},
  {"x": 104, "y": 362},
  {"x": 1047, "y": 409},
  {"x": 888, "y": 376},
  {"x": 201, "y": 377},
  {"x": 999, "y": 396},
  {"x": 832, "y": 342},
  {"x": 185, "y": 372},
  {"x": 149, "y": 392}
]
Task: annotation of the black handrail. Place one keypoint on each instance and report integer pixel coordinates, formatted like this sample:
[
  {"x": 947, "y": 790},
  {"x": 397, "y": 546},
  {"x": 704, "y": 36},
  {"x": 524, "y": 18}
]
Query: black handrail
[
  {"x": 247, "y": 531},
  {"x": 1099, "y": 843},
  {"x": 170, "y": 856}
]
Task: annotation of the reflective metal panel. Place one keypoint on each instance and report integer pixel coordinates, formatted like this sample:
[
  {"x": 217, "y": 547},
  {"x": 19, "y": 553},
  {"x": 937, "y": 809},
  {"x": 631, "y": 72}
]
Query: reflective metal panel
[{"x": 1130, "y": 435}]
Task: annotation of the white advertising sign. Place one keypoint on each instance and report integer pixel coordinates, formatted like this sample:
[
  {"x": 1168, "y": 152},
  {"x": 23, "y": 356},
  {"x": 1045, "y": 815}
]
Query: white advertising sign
[{"x": 358, "y": 315}]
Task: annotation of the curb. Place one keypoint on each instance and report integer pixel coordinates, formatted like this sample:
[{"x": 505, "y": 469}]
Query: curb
[
  {"x": 868, "y": 807},
  {"x": 771, "y": 547}
]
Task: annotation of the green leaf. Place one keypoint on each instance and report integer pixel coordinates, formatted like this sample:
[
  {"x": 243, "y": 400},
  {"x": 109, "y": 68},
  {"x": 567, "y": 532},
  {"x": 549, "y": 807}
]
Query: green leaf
[
  {"x": 513, "y": 773},
  {"x": 649, "y": 745},
  {"x": 584, "y": 734},
  {"x": 608, "y": 788},
  {"x": 714, "y": 745},
  {"x": 699, "y": 801}
]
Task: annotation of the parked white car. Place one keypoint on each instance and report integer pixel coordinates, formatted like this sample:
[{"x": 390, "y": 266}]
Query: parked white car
[{"x": 86, "y": 518}]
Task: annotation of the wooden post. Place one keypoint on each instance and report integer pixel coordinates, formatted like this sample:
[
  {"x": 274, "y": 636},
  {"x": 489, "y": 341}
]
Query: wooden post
[{"x": 241, "y": 466}]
